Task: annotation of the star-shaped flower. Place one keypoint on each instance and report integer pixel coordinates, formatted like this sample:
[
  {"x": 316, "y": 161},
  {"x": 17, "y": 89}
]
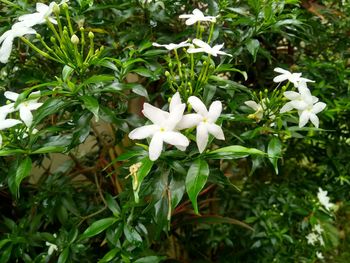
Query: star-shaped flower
[
  {"x": 292, "y": 77},
  {"x": 5, "y": 124},
  {"x": 259, "y": 109},
  {"x": 298, "y": 100},
  {"x": 25, "y": 107},
  {"x": 17, "y": 30},
  {"x": 324, "y": 199},
  {"x": 197, "y": 16},
  {"x": 163, "y": 127},
  {"x": 39, "y": 17},
  {"x": 204, "y": 120},
  {"x": 309, "y": 113},
  {"x": 204, "y": 47},
  {"x": 172, "y": 46}
]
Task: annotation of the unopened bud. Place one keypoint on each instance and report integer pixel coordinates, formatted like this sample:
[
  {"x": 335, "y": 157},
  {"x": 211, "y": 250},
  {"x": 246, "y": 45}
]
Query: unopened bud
[
  {"x": 74, "y": 39},
  {"x": 167, "y": 74},
  {"x": 38, "y": 36},
  {"x": 266, "y": 91},
  {"x": 65, "y": 6},
  {"x": 53, "y": 39},
  {"x": 55, "y": 9},
  {"x": 91, "y": 35},
  {"x": 82, "y": 29}
]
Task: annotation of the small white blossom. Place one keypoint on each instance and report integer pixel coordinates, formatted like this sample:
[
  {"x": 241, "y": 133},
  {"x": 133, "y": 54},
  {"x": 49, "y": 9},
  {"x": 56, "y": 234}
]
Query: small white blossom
[
  {"x": 197, "y": 16},
  {"x": 52, "y": 248},
  {"x": 39, "y": 17},
  {"x": 204, "y": 47},
  {"x": 25, "y": 107},
  {"x": 318, "y": 229},
  {"x": 292, "y": 77},
  {"x": 319, "y": 255},
  {"x": 259, "y": 109},
  {"x": 5, "y": 124},
  {"x": 163, "y": 127},
  {"x": 324, "y": 199},
  {"x": 172, "y": 46},
  {"x": 204, "y": 120},
  {"x": 312, "y": 238},
  {"x": 6, "y": 39}
]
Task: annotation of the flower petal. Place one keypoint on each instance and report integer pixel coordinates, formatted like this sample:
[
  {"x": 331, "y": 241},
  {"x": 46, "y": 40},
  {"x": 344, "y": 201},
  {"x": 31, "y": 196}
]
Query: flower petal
[
  {"x": 286, "y": 107},
  {"x": 25, "y": 115},
  {"x": 202, "y": 137},
  {"x": 5, "y": 50},
  {"x": 314, "y": 119},
  {"x": 11, "y": 95},
  {"x": 216, "y": 131},
  {"x": 280, "y": 78},
  {"x": 304, "y": 118},
  {"x": 143, "y": 132},
  {"x": 215, "y": 110},
  {"x": 298, "y": 104},
  {"x": 291, "y": 95},
  {"x": 281, "y": 70},
  {"x": 175, "y": 138},
  {"x": 189, "y": 121},
  {"x": 252, "y": 104},
  {"x": 175, "y": 100},
  {"x": 175, "y": 116},
  {"x": 5, "y": 124},
  {"x": 195, "y": 50},
  {"x": 155, "y": 115},
  {"x": 198, "y": 105},
  {"x": 33, "y": 105},
  {"x": 318, "y": 107},
  {"x": 156, "y": 146}
]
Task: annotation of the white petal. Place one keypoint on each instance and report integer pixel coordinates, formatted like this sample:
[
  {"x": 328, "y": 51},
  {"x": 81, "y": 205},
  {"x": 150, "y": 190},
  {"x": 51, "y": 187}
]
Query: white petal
[
  {"x": 252, "y": 104},
  {"x": 175, "y": 138},
  {"x": 215, "y": 110},
  {"x": 223, "y": 53},
  {"x": 5, "y": 124},
  {"x": 200, "y": 43},
  {"x": 304, "y": 118},
  {"x": 175, "y": 100},
  {"x": 175, "y": 116},
  {"x": 189, "y": 121},
  {"x": 202, "y": 137},
  {"x": 314, "y": 99},
  {"x": 156, "y": 146},
  {"x": 5, "y": 50},
  {"x": 192, "y": 20},
  {"x": 198, "y": 13},
  {"x": 11, "y": 95},
  {"x": 291, "y": 95},
  {"x": 298, "y": 104},
  {"x": 314, "y": 119},
  {"x": 185, "y": 16},
  {"x": 143, "y": 132},
  {"x": 5, "y": 35},
  {"x": 42, "y": 8},
  {"x": 198, "y": 105},
  {"x": 195, "y": 50},
  {"x": 6, "y": 109},
  {"x": 318, "y": 107},
  {"x": 33, "y": 105},
  {"x": 281, "y": 70},
  {"x": 25, "y": 115},
  {"x": 154, "y": 114},
  {"x": 286, "y": 107},
  {"x": 280, "y": 78},
  {"x": 216, "y": 131}
]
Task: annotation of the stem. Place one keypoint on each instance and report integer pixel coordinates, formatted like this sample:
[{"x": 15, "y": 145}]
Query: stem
[
  {"x": 53, "y": 29},
  {"x": 44, "y": 54},
  {"x": 178, "y": 63},
  {"x": 68, "y": 21},
  {"x": 211, "y": 32}
]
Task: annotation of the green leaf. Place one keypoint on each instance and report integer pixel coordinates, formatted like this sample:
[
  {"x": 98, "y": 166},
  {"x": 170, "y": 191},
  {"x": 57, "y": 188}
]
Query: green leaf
[
  {"x": 99, "y": 226},
  {"x": 149, "y": 259},
  {"x": 110, "y": 255},
  {"x": 49, "y": 149},
  {"x": 196, "y": 178},
  {"x": 132, "y": 235},
  {"x": 253, "y": 47},
  {"x": 63, "y": 256},
  {"x": 144, "y": 169},
  {"x": 50, "y": 106},
  {"x": 91, "y": 104},
  {"x": 233, "y": 152},
  {"x": 112, "y": 205},
  {"x": 274, "y": 151},
  {"x": 5, "y": 255},
  {"x": 23, "y": 170},
  {"x": 98, "y": 79},
  {"x": 7, "y": 152},
  {"x": 66, "y": 72}
]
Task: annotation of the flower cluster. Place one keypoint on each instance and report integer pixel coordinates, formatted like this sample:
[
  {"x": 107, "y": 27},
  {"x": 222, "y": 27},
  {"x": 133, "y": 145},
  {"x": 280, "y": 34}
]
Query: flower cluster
[
  {"x": 315, "y": 236},
  {"x": 24, "y": 27},
  {"x": 167, "y": 125},
  {"x": 303, "y": 101},
  {"x": 24, "y": 109}
]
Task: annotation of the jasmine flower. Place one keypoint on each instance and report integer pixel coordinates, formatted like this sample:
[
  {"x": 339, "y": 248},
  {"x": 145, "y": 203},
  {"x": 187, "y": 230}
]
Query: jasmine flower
[
  {"x": 197, "y": 16},
  {"x": 172, "y": 46},
  {"x": 292, "y": 77},
  {"x": 204, "y": 47},
  {"x": 324, "y": 199}
]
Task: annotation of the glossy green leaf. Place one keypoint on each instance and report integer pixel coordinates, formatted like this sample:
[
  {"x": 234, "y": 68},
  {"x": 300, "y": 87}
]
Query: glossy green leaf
[
  {"x": 7, "y": 152},
  {"x": 99, "y": 226},
  {"x": 91, "y": 104},
  {"x": 274, "y": 151},
  {"x": 144, "y": 169},
  {"x": 109, "y": 256},
  {"x": 49, "y": 149},
  {"x": 5, "y": 254},
  {"x": 66, "y": 72},
  {"x": 63, "y": 256},
  {"x": 112, "y": 205},
  {"x": 50, "y": 106},
  {"x": 196, "y": 178},
  {"x": 149, "y": 259},
  {"x": 23, "y": 170},
  {"x": 233, "y": 152},
  {"x": 253, "y": 47}
]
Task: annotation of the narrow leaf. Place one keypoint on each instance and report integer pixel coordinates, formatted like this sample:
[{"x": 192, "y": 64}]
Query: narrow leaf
[
  {"x": 23, "y": 170},
  {"x": 274, "y": 151},
  {"x": 99, "y": 226}
]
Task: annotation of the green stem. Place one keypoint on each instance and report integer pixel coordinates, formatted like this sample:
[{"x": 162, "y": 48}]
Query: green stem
[
  {"x": 53, "y": 29},
  {"x": 69, "y": 22},
  {"x": 178, "y": 63},
  {"x": 44, "y": 54},
  {"x": 211, "y": 32}
]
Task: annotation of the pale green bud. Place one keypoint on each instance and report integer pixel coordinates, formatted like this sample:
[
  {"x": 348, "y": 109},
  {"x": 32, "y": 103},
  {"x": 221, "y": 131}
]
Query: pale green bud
[
  {"x": 55, "y": 9},
  {"x": 91, "y": 35},
  {"x": 74, "y": 39}
]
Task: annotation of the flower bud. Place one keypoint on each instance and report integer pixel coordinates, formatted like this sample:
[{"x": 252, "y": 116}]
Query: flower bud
[
  {"x": 38, "y": 36},
  {"x": 167, "y": 74},
  {"x": 53, "y": 39},
  {"x": 65, "y": 6},
  {"x": 55, "y": 9},
  {"x": 74, "y": 39},
  {"x": 91, "y": 35}
]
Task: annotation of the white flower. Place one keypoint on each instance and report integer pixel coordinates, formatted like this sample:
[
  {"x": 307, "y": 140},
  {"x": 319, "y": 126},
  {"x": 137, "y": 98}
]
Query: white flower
[
  {"x": 259, "y": 109},
  {"x": 310, "y": 114},
  {"x": 204, "y": 120},
  {"x": 39, "y": 17},
  {"x": 25, "y": 107},
  {"x": 17, "y": 30},
  {"x": 299, "y": 100},
  {"x": 318, "y": 228},
  {"x": 312, "y": 238},
  {"x": 319, "y": 255},
  {"x": 52, "y": 248},
  {"x": 172, "y": 46},
  {"x": 324, "y": 199},
  {"x": 163, "y": 127},
  {"x": 6, "y": 109},
  {"x": 197, "y": 16},
  {"x": 5, "y": 124},
  {"x": 292, "y": 77},
  {"x": 204, "y": 47}
]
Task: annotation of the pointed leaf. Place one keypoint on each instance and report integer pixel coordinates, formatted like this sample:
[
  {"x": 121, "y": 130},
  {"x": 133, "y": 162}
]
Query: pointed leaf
[
  {"x": 233, "y": 152},
  {"x": 274, "y": 151},
  {"x": 99, "y": 226},
  {"x": 23, "y": 170},
  {"x": 91, "y": 104},
  {"x": 142, "y": 172},
  {"x": 196, "y": 178}
]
